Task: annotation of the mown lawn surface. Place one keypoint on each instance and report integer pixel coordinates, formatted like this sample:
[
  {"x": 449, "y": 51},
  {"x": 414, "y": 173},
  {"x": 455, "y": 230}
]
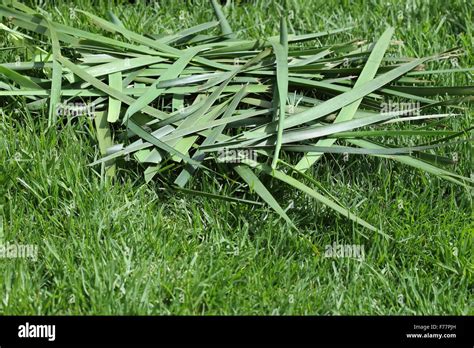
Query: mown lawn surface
[{"x": 131, "y": 248}]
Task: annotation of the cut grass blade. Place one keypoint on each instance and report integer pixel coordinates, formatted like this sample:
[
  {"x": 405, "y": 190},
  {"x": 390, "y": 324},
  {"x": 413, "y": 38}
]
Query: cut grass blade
[
  {"x": 153, "y": 92},
  {"x": 225, "y": 26},
  {"x": 188, "y": 93},
  {"x": 22, "y": 80},
  {"x": 326, "y": 201},
  {"x": 416, "y": 163},
  {"x": 55, "y": 98},
  {"x": 281, "y": 52},
  {"x": 104, "y": 138},
  {"x": 256, "y": 185}
]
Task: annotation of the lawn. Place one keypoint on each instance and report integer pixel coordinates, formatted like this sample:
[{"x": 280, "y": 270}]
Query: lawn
[{"x": 127, "y": 247}]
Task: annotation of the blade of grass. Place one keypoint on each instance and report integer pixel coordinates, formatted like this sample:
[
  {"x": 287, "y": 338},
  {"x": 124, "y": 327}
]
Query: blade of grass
[
  {"x": 326, "y": 201},
  {"x": 256, "y": 185},
  {"x": 115, "y": 81},
  {"x": 22, "y": 80},
  {"x": 348, "y": 111},
  {"x": 188, "y": 171},
  {"x": 281, "y": 52},
  {"x": 216, "y": 196},
  {"x": 55, "y": 98}
]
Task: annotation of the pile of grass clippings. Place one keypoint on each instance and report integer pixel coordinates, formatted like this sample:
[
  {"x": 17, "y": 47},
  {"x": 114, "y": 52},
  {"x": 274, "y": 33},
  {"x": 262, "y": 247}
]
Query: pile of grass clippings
[{"x": 191, "y": 103}]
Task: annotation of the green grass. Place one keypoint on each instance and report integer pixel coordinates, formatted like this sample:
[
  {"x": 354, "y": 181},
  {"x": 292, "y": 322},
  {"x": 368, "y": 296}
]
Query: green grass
[{"x": 131, "y": 248}]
